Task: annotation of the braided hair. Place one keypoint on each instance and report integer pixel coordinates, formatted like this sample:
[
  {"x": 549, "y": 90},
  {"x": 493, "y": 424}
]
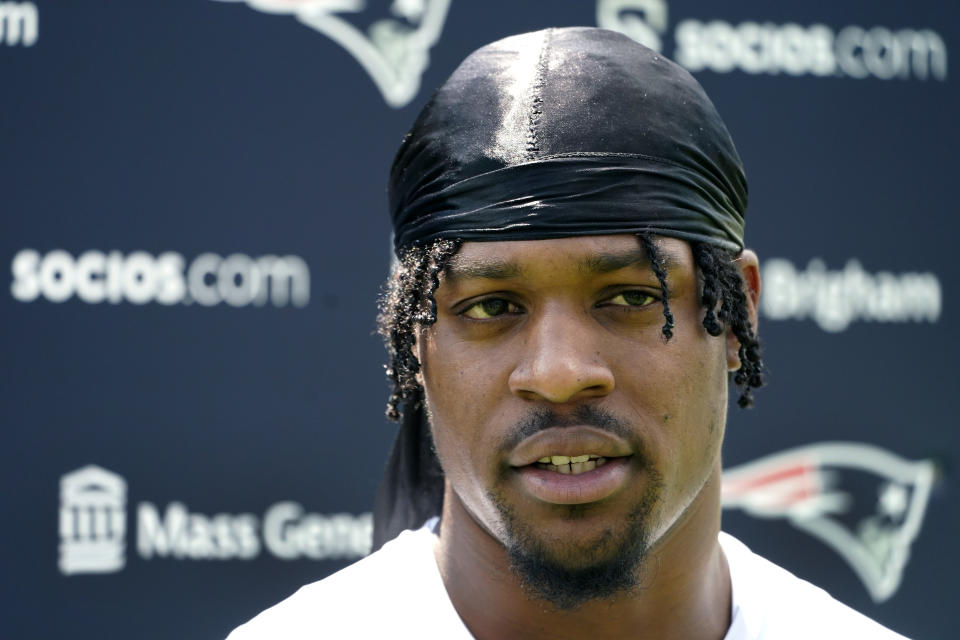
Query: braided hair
[{"x": 408, "y": 302}]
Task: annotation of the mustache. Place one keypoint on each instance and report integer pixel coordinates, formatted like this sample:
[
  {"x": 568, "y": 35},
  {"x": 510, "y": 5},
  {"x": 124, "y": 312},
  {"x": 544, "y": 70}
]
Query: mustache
[{"x": 542, "y": 419}]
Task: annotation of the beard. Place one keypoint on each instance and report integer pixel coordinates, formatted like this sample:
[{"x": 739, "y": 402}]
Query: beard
[{"x": 569, "y": 573}]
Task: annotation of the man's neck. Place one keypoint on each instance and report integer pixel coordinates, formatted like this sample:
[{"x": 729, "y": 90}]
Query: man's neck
[{"x": 685, "y": 590}]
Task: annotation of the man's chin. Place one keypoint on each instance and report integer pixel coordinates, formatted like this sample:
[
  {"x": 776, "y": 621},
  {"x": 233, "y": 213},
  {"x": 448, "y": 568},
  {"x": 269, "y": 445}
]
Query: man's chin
[
  {"x": 572, "y": 553},
  {"x": 577, "y": 561},
  {"x": 568, "y": 575},
  {"x": 582, "y": 558}
]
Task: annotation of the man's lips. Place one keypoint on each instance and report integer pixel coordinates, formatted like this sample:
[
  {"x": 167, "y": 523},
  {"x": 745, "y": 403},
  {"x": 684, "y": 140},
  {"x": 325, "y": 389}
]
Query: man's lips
[
  {"x": 589, "y": 486},
  {"x": 554, "y": 487},
  {"x": 570, "y": 442}
]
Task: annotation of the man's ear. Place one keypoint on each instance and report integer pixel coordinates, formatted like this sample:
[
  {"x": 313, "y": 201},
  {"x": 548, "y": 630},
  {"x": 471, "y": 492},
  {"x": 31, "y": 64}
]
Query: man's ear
[{"x": 749, "y": 266}]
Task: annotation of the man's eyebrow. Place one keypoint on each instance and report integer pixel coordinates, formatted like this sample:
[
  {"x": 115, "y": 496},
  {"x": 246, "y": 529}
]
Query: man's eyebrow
[
  {"x": 610, "y": 262},
  {"x": 490, "y": 269},
  {"x": 599, "y": 263}
]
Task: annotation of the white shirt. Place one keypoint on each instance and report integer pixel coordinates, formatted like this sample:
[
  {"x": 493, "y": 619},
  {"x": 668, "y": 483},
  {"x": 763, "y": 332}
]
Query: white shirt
[{"x": 398, "y": 593}]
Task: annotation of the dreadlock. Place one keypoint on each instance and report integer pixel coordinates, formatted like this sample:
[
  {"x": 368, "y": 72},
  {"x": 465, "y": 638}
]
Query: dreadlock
[
  {"x": 659, "y": 270},
  {"x": 723, "y": 285},
  {"x": 408, "y": 302}
]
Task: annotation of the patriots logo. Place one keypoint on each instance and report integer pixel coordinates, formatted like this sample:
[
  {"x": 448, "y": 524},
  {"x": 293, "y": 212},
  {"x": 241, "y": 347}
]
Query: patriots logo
[
  {"x": 393, "y": 51},
  {"x": 864, "y": 502}
]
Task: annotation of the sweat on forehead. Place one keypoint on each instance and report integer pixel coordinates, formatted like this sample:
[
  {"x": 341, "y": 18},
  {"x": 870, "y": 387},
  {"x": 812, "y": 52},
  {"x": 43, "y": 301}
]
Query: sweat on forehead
[{"x": 565, "y": 132}]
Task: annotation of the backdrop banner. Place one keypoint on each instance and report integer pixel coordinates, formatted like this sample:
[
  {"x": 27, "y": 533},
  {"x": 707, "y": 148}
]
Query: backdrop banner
[{"x": 194, "y": 215}]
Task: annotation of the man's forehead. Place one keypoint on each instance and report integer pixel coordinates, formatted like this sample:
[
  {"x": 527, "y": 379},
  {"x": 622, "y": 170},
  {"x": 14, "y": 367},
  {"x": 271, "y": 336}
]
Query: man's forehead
[{"x": 588, "y": 254}]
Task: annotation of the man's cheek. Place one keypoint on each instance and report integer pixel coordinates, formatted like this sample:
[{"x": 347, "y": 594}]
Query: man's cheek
[{"x": 457, "y": 398}]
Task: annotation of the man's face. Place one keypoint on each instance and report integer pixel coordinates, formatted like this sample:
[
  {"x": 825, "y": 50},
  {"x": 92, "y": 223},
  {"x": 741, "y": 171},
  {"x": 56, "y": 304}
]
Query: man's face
[{"x": 549, "y": 348}]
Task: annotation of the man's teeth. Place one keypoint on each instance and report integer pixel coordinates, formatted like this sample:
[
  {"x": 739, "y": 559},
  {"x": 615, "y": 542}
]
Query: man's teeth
[{"x": 571, "y": 464}]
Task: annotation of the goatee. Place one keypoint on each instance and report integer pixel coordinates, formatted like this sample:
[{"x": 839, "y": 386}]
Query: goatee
[{"x": 569, "y": 574}]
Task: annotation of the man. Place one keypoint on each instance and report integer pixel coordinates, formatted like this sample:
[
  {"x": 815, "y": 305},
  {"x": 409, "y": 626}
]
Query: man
[{"x": 571, "y": 298}]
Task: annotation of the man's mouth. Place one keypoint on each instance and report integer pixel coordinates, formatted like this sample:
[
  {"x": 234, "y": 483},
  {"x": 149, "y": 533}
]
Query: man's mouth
[
  {"x": 571, "y": 465},
  {"x": 578, "y": 479}
]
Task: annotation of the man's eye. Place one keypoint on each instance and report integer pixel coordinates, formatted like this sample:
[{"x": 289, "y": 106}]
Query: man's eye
[
  {"x": 632, "y": 298},
  {"x": 490, "y": 308}
]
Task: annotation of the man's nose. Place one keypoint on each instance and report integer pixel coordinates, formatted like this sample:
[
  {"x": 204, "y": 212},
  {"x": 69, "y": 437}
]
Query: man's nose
[{"x": 560, "y": 360}]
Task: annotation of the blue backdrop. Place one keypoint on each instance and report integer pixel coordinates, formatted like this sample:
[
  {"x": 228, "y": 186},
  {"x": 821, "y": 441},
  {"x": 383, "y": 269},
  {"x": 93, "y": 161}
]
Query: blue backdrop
[{"x": 194, "y": 216}]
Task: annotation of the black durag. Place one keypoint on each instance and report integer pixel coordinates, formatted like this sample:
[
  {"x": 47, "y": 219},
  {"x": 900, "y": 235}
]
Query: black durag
[{"x": 552, "y": 134}]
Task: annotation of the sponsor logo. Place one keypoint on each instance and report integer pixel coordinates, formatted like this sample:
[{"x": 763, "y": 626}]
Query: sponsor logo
[
  {"x": 19, "y": 24},
  {"x": 866, "y": 503},
  {"x": 92, "y": 521},
  {"x": 884, "y": 53},
  {"x": 393, "y": 51},
  {"x": 93, "y": 529},
  {"x": 140, "y": 278},
  {"x": 835, "y": 299},
  {"x": 177, "y": 533}
]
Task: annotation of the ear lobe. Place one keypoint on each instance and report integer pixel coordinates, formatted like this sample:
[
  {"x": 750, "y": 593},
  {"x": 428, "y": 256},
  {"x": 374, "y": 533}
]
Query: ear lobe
[{"x": 749, "y": 267}]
